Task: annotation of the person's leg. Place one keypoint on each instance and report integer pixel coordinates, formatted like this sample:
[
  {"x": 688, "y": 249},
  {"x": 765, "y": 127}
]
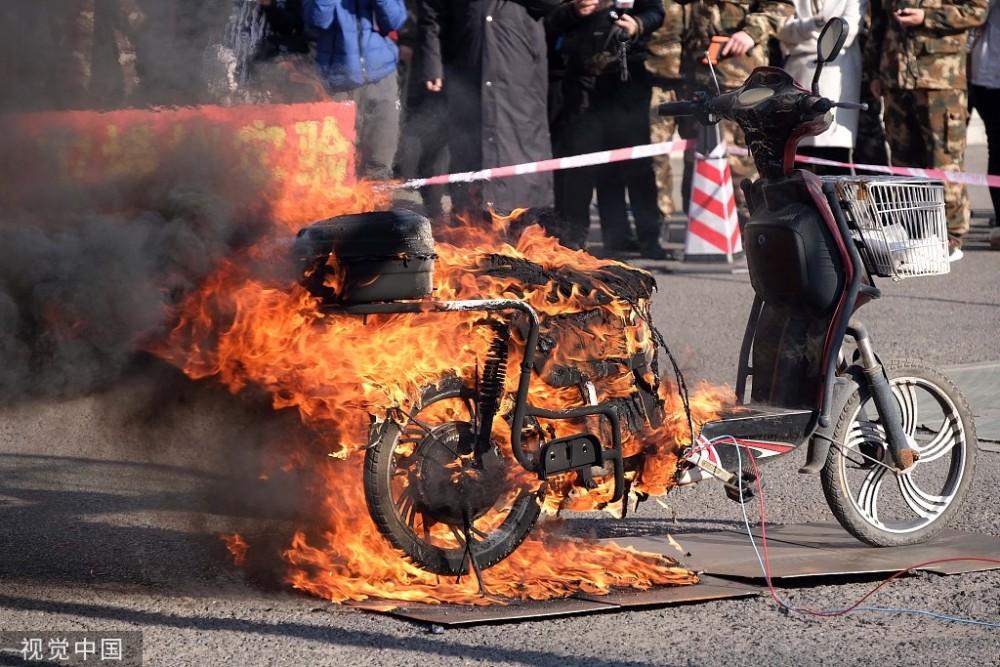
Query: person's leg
[
  {"x": 945, "y": 136},
  {"x": 832, "y": 153},
  {"x": 640, "y": 179},
  {"x": 903, "y": 129},
  {"x": 433, "y": 159},
  {"x": 576, "y": 186},
  {"x": 612, "y": 210},
  {"x": 379, "y": 136},
  {"x": 925, "y": 129},
  {"x": 662, "y": 129},
  {"x": 645, "y": 212},
  {"x": 986, "y": 102},
  {"x": 870, "y": 141},
  {"x": 356, "y": 96},
  {"x": 465, "y": 151},
  {"x": 741, "y": 166},
  {"x": 573, "y": 206}
]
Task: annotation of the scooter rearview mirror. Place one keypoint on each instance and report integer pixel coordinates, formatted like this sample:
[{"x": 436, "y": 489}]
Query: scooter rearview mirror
[{"x": 831, "y": 41}]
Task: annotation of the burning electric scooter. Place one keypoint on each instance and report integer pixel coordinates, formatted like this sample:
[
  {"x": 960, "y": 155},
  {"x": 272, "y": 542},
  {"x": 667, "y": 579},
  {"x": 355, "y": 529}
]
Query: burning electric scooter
[{"x": 455, "y": 477}]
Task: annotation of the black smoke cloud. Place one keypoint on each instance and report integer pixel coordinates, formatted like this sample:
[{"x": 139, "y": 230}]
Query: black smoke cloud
[
  {"x": 88, "y": 274},
  {"x": 79, "y": 294}
]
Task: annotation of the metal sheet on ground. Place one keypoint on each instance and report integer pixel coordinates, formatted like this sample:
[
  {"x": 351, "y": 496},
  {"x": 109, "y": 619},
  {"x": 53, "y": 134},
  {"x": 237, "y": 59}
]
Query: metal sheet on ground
[
  {"x": 794, "y": 551},
  {"x": 733, "y": 555},
  {"x": 728, "y": 553},
  {"x": 980, "y": 383},
  {"x": 831, "y": 538},
  {"x": 452, "y": 615},
  {"x": 447, "y": 615},
  {"x": 709, "y": 588}
]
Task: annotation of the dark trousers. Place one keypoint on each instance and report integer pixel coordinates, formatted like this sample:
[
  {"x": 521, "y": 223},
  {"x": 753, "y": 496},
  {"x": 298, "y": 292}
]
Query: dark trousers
[
  {"x": 986, "y": 101},
  {"x": 423, "y": 147},
  {"x": 617, "y": 116},
  {"x": 926, "y": 128},
  {"x": 832, "y": 153}
]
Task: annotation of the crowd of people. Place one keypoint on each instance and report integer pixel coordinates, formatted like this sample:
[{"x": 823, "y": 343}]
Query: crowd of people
[
  {"x": 524, "y": 80},
  {"x": 463, "y": 85}
]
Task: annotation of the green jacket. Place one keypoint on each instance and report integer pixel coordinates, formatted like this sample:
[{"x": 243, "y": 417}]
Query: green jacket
[
  {"x": 929, "y": 56},
  {"x": 761, "y": 19}
]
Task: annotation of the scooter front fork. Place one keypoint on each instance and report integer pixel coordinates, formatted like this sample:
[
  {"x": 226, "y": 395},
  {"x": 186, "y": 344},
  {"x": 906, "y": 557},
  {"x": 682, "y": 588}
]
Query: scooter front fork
[{"x": 903, "y": 455}]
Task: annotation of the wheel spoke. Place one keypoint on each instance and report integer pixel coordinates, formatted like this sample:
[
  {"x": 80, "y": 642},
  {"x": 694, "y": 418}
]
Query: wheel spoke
[
  {"x": 427, "y": 430},
  {"x": 865, "y": 433},
  {"x": 906, "y": 400},
  {"x": 942, "y": 442},
  {"x": 923, "y": 504},
  {"x": 867, "y": 499},
  {"x": 406, "y": 507},
  {"x": 478, "y": 532}
]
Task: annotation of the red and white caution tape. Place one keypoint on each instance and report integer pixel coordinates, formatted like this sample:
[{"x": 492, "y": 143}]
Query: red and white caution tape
[
  {"x": 662, "y": 148},
  {"x": 555, "y": 164},
  {"x": 986, "y": 180}
]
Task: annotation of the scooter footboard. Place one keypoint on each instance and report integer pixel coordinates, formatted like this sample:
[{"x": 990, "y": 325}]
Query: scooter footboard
[{"x": 749, "y": 432}]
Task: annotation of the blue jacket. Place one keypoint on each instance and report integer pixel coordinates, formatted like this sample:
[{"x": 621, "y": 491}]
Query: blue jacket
[{"x": 353, "y": 46}]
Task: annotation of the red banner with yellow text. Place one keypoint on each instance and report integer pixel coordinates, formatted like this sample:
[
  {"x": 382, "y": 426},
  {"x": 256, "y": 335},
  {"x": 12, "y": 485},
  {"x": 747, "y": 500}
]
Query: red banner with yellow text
[{"x": 271, "y": 156}]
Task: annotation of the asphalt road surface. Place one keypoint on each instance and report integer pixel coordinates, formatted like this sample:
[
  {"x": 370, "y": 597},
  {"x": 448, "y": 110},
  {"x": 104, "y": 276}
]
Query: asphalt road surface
[{"x": 111, "y": 508}]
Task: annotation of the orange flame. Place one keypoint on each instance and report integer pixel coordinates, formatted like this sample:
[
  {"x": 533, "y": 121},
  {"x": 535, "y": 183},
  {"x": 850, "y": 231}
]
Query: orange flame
[
  {"x": 351, "y": 561},
  {"x": 237, "y": 547},
  {"x": 246, "y": 328}
]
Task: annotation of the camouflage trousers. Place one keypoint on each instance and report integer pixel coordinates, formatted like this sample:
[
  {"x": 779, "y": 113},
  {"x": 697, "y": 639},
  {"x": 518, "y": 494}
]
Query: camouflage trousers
[
  {"x": 926, "y": 129},
  {"x": 662, "y": 129}
]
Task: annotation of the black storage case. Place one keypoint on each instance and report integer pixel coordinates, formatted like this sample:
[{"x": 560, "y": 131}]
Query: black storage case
[{"x": 384, "y": 256}]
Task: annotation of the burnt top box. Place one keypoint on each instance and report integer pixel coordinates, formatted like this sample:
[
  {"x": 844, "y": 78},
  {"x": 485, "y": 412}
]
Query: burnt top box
[{"x": 380, "y": 256}]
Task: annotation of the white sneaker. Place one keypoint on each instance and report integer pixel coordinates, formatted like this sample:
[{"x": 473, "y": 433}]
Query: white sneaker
[{"x": 954, "y": 252}]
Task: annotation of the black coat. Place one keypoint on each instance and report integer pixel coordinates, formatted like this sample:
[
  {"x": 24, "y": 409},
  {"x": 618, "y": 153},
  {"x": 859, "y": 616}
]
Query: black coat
[
  {"x": 592, "y": 73},
  {"x": 491, "y": 55}
]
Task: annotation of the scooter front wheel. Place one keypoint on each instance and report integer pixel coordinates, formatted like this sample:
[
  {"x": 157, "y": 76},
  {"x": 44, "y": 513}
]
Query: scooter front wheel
[
  {"x": 879, "y": 505},
  {"x": 432, "y": 498}
]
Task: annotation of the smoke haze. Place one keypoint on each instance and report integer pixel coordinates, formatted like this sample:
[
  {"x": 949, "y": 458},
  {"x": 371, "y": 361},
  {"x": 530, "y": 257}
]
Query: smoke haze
[{"x": 87, "y": 270}]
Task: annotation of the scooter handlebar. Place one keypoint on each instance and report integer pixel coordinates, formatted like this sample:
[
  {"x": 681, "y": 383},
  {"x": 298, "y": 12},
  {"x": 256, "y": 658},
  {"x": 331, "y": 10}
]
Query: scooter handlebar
[
  {"x": 815, "y": 104},
  {"x": 677, "y": 108}
]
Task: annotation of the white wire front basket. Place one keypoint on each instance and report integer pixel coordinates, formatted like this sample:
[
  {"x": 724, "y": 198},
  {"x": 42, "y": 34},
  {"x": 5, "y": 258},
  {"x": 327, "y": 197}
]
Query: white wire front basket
[{"x": 900, "y": 222}]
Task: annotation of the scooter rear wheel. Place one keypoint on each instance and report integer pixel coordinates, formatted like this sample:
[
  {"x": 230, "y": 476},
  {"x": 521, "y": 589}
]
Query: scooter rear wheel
[
  {"x": 885, "y": 509},
  {"x": 433, "y": 500}
]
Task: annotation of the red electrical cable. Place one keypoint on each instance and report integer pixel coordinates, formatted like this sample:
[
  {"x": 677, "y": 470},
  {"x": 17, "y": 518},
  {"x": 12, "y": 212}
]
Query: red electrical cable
[{"x": 839, "y": 612}]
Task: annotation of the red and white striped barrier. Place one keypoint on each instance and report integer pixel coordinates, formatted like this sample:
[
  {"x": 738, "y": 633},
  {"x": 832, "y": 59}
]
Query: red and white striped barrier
[
  {"x": 986, "y": 180},
  {"x": 662, "y": 148},
  {"x": 555, "y": 164},
  {"x": 713, "y": 228}
]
